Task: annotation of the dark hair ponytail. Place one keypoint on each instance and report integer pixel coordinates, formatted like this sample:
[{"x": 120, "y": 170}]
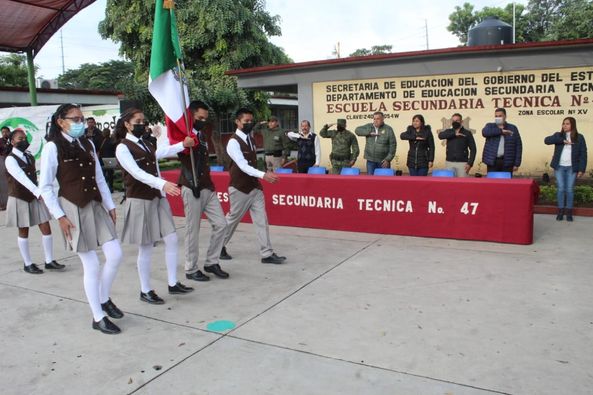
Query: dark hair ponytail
[
  {"x": 120, "y": 126},
  {"x": 55, "y": 131}
]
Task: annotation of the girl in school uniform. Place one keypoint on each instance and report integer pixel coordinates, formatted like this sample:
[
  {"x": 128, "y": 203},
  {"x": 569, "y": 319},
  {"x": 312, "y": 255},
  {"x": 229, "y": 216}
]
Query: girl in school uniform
[
  {"x": 84, "y": 209},
  {"x": 147, "y": 214},
  {"x": 25, "y": 207}
]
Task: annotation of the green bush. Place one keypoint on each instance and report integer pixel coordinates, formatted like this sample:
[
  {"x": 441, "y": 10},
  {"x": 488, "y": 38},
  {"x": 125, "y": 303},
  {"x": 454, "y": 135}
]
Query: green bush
[{"x": 583, "y": 194}]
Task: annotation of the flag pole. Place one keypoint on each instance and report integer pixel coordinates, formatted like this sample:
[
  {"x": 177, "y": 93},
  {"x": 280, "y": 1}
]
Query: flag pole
[{"x": 181, "y": 71}]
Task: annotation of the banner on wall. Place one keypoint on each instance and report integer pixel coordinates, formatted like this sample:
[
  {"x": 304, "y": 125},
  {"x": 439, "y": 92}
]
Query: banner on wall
[{"x": 536, "y": 102}]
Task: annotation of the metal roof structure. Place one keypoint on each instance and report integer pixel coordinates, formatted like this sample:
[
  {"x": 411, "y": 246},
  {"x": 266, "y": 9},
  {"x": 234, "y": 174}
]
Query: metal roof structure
[{"x": 27, "y": 25}]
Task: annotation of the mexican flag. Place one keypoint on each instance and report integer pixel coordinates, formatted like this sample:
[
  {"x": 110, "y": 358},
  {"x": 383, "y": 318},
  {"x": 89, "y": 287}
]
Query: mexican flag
[{"x": 163, "y": 82}]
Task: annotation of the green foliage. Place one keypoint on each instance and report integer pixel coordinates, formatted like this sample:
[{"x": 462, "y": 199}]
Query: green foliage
[
  {"x": 215, "y": 36},
  {"x": 375, "y": 50},
  {"x": 13, "y": 70},
  {"x": 541, "y": 20},
  {"x": 113, "y": 75},
  {"x": 583, "y": 194}
]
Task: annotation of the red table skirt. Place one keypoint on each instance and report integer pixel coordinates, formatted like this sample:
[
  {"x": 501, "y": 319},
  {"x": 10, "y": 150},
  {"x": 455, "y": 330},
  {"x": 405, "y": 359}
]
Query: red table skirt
[{"x": 454, "y": 208}]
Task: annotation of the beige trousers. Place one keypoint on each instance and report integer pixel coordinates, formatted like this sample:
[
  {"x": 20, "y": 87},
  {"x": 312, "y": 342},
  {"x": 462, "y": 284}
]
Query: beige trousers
[
  {"x": 194, "y": 208},
  {"x": 255, "y": 203}
]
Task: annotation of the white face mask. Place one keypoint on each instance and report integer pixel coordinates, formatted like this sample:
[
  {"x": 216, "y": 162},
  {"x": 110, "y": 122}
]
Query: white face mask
[{"x": 498, "y": 120}]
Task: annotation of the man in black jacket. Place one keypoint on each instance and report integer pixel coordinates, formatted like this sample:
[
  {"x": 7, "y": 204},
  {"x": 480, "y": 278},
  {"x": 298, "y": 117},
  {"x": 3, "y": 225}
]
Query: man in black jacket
[{"x": 461, "y": 147}]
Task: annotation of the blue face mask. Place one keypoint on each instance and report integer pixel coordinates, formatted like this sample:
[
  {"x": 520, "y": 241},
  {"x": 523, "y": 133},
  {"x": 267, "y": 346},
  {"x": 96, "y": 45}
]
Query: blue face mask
[{"x": 76, "y": 130}]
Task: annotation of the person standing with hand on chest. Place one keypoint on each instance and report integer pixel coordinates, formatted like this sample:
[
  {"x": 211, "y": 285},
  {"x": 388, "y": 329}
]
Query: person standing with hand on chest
[
  {"x": 84, "y": 209},
  {"x": 503, "y": 148},
  {"x": 147, "y": 214}
]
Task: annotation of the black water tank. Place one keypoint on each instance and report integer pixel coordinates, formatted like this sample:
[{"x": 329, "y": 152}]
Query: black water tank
[{"x": 491, "y": 31}]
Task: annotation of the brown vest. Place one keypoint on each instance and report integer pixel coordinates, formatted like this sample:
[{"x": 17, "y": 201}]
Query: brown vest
[
  {"x": 202, "y": 171},
  {"x": 15, "y": 188},
  {"x": 240, "y": 180},
  {"x": 145, "y": 161},
  {"x": 76, "y": 172}
]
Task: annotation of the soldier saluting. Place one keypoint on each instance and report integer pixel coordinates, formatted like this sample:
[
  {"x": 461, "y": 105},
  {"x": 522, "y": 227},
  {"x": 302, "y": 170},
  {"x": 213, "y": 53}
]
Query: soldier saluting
[{"x": 345, "y": 149}]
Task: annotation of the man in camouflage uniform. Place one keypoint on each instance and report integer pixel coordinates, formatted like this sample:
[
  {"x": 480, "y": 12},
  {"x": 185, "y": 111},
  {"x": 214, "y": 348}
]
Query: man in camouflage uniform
[
  {"x": 344, "y": 146},
  {"x": 276, "y": 145}
]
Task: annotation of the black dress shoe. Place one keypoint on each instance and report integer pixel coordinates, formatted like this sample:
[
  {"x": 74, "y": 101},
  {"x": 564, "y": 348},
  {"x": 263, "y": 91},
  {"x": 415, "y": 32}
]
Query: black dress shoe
[
  {"x": 197, "y": 276},
  {"x": 111, "y": 309},
  {"x": 216, "y": 270},
  {"x": 33, "y": 269},
  {"x": 179, "y": 288},
  {"x": 560, "y": 215},
  {"x": 569, "y": 214},
  {"x": 224, "y": 255},
  {"x": 53, "y": 265},
  {"x": 151, "y": 297},
  {"x": 275, "y": 259},
  {"x": 106, "y": 326}
]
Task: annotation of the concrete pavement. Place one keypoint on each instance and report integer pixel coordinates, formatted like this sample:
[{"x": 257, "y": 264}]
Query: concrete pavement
[{"x": 349, "y": 313}]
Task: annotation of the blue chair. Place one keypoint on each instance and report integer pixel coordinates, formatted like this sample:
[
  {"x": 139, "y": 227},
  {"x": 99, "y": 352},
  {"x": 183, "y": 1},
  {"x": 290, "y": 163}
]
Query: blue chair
[
  {"x": 216, "y": 168},
  {"x": 499, "y": 174},
  {"x": 350, "y": 171},
  {"x": 384, "y": 172},
  {"x": 283, "y": 170},
  {"x": 443, "y": 173},
  {"x": 317, "y": 170}
]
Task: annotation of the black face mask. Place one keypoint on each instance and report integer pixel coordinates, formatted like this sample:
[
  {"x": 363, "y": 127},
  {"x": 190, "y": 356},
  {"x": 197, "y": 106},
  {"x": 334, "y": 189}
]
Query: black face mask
[
  {"x": 22, "y": 145},
  {"x": 247, "y": 127},
  {"x": 456, "y": 125},
  {"x": 138, "y": 130},
  {"x": 341, "y": 128},
  {"x": 146, "y": 135},
  {"x": 199, "y": 124}
]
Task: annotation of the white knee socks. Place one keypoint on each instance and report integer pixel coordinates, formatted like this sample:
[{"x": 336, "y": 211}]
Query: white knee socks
[
  {"x": 144, "y": 263},
  {"x": 24, "y": 248},
  {"x": 171, "y": 257},
  {"x": 113, "y": 256},
  {"x": 48, "y": 248},
  {"x": 92, "y": 282}
]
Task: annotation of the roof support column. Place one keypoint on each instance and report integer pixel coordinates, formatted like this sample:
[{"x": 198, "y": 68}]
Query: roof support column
[{"x": 31, "y": 76}]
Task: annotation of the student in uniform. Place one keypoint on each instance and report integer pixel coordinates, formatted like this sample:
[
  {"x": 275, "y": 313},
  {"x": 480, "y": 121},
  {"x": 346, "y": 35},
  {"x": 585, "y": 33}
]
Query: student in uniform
[
  {"x": 25, "y": 207},
  {"x": 200, "y": 199},
  {"x": 84, "y": 209},
  {"x": 245, "y": 189},
  {"x": 147, "y": 214}
]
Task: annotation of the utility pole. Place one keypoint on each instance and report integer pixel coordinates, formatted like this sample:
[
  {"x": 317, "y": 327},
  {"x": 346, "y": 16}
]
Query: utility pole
[
  {"x": 514, "y": 21},
  {"x": 426, "y": 32},
  {"x": 62, "y": 46}
]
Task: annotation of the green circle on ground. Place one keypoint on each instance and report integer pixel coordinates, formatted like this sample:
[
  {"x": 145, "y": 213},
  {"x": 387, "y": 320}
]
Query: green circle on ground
[{"x": 220, "y": 326}]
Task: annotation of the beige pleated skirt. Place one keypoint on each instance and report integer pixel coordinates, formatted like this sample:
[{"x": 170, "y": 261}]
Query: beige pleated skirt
[
  {"x": 21, "y": 214},
  {"x": 146, "y": 221},
  {"x": 93, "y": 226}
]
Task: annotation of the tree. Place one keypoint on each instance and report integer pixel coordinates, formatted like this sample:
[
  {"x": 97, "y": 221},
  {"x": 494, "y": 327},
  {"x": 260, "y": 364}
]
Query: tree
[
  {"x": 574, "y": 20},
  {"x": 375, "y": 50},
  {"x": 13, "y": 70},
  {"x": 215, "y": 35},
  {"x": 115, "y": 74}
]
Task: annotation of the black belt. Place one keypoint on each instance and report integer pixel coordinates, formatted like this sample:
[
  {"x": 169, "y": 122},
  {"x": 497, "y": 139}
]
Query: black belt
[{"x": 276, "y": 154}]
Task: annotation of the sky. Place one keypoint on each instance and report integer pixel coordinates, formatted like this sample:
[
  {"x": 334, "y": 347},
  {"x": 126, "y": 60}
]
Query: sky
[{"x": 310, "y": 30}]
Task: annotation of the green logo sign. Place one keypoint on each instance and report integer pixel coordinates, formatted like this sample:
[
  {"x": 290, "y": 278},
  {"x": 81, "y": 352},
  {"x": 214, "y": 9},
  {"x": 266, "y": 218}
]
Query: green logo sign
[{"x": 33, "y": 136}]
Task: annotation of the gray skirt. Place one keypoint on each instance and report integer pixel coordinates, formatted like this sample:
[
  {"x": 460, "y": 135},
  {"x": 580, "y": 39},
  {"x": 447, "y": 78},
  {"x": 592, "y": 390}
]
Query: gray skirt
[
  {"x": 21, "y": 214},
  {"x": 146, "y": 221},
  {"x": 93, "y": 226}
]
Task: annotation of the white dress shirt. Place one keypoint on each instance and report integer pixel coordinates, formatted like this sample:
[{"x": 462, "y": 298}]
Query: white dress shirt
[
  {"x": 295, "y": 136},
  {"x": 49, "y": 169},
  {"x": 234, "y": 150},
  {"x": 127, "y": 161},
  {"x": 13, "y": 168},
  {"x": 566, "y": 155}
]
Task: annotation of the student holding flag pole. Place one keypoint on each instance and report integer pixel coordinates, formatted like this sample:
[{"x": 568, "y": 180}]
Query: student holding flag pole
[{"x": 168, "y": 86}]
